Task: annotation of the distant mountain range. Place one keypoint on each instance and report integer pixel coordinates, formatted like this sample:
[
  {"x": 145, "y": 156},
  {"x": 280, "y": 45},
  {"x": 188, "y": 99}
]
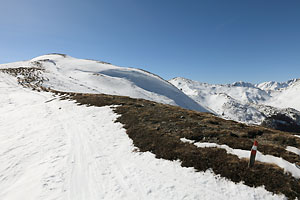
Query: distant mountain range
[{"x": 272, "y": 104}]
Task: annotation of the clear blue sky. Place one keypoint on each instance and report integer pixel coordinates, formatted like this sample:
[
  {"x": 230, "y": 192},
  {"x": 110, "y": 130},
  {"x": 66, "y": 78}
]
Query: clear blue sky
[{"x": 214, "y": 41}]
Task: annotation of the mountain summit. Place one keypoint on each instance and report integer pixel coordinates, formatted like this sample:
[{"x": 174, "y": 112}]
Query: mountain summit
[{"x": 65, "y": 73}]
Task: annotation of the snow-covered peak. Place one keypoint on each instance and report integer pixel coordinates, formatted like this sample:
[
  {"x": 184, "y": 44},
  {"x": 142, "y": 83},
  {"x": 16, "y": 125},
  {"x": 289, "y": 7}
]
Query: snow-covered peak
[
  {"x": 182, "y": 80},
  {"x": 65, "y": 73},
  {"x": 243, "y": 84},
  {"x": 52, "y": 56},
  {"x": 273, "y": 85}
]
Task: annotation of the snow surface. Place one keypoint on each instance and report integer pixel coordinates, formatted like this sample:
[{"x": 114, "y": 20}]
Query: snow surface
[
  {"x": 65, "y": 73},
  {"x": 287, "y": 166},
  {"x": 245, "y": 102},
  {"x": 52, "y": 149},
  {"x": 287, "y": 97},
  {"x": 293, "y": 149}
]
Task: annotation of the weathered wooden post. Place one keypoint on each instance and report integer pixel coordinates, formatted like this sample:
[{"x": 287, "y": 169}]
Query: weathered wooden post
[{"x": 253, "y": 154}]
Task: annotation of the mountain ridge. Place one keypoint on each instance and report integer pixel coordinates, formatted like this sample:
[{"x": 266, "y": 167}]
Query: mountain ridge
[{"x": 65, "y": 73}]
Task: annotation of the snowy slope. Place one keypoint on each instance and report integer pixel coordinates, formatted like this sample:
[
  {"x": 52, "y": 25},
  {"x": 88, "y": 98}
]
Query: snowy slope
[
  {"x": 284, "y": 94},
  {"x": 64, "y": 73},
  {"x": 53, "y": 149},
  {"x": 287, "y": 97},
  {"x": 245, "y": 102}
]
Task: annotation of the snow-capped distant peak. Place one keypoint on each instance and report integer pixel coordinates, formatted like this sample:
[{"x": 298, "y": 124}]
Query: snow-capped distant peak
[
  {"x": 273, "y": 85},
  {"x": 243, "y": 84},
  {"x": 180, "y": 80}
]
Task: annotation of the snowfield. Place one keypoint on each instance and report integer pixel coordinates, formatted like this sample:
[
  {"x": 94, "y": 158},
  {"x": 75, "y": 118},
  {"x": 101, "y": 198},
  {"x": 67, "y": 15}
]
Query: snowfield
[{"x": 54, "y": 149}]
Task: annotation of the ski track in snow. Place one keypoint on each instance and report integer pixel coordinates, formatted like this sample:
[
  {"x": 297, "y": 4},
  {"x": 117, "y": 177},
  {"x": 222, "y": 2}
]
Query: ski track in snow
[{"x": 52, "y": 149}]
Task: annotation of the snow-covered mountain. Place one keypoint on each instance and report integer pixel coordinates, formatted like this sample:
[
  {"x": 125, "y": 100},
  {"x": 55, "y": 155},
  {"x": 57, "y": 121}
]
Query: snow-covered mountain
[
  {"x": 272, "y": 85},
  {"x": 64, "y": 73},
  {"x": 246, "y": 102}
]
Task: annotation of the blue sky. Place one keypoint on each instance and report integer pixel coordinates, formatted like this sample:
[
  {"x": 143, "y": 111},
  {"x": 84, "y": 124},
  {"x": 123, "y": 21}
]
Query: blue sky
[{"x": 214, "y": 41}]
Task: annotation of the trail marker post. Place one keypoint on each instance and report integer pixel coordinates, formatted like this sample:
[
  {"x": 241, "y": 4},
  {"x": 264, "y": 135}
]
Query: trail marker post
[{"x": 253, "y": 154}]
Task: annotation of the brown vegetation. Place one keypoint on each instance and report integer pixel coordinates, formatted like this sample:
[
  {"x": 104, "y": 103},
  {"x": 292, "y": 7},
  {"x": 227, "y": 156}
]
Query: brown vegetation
[{"x": 30, "y": 77}]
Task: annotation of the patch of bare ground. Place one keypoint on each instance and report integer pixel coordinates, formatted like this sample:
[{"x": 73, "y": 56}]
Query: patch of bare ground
[
  {"x": 29, "y": 77},
  {"x": 157, "y": 128},
  {"x": 282, "y": 122}
]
